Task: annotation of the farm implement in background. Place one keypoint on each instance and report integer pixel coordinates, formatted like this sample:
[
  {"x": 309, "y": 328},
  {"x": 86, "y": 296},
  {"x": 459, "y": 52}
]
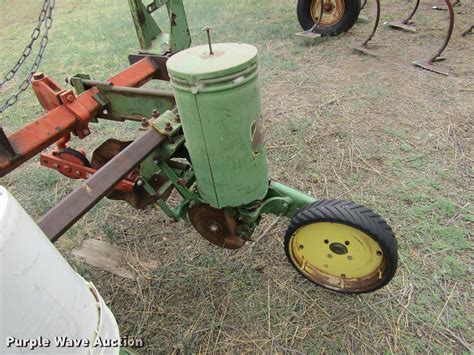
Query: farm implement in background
[{"x": 326, "y": 17}]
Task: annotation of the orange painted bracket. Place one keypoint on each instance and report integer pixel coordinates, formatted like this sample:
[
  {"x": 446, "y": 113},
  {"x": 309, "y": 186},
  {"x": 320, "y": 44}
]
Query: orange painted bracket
[
  {"x": 66, "y": 113},
  {"x": 77, "y": 171}
]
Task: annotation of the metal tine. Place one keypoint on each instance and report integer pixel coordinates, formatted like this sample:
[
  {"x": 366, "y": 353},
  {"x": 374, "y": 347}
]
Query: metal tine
[
  {"x": 428, "y": 63},
  {"x": 404, "y": 24},
  {"x": 363, "y": 46}
]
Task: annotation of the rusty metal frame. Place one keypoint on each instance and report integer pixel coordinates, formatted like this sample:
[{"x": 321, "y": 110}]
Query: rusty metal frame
[
  {"x": 61, "y": 217},
  {"x": 67, "y": 113},
  {"x": 77, "y": 171},
  {"x": 428, "y": 63}
]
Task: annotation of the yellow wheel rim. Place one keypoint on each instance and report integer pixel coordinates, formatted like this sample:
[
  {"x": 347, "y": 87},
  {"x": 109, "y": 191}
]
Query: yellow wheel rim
[
  {"x": 333, "y": 10},
  {"x": 337, "y": 256}
]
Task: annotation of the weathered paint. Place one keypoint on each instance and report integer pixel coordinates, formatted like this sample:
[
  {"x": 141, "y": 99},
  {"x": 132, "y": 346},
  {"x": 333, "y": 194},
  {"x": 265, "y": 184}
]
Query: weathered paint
[{"x": 218, "y": 97}]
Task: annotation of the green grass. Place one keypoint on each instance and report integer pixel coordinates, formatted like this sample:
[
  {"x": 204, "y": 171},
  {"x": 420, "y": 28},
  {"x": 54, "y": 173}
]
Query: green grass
[{"x": 339, "y": 125}]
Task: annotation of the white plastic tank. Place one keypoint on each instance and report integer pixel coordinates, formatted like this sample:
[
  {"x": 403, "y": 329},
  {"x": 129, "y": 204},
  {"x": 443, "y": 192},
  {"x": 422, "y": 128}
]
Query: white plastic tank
[{"x": 44, "y": 303}]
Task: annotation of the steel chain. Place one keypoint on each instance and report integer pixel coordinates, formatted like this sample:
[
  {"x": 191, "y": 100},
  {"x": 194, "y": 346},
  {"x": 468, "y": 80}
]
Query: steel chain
[{"x": 46, "y": 18}]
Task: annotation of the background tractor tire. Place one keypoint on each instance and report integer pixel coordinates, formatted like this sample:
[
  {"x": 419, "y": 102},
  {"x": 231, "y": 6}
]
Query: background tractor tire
[
  {"x": 339, "y": 15},
  {"x": 342, "y": 246}
]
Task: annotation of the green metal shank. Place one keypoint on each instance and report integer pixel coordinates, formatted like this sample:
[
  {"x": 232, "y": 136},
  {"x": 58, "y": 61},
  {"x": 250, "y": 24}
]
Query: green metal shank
[{"x": 152, "y": 39}]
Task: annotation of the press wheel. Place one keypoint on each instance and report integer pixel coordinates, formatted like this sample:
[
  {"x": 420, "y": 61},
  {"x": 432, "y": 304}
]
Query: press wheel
[
  {"x": 342, "y": 246},
  {"x": 338, "y": 15}
]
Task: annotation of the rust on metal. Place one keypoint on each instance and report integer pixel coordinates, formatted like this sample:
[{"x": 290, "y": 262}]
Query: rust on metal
[
  {"x": 135, "y": 194},
  {"x": 428, "y": 63},
  {"x": 216, "y": 226},
  {"x": 362, "y": 47},
  {"x": 75, "y": 205},
  {"x": 75, "y": 169},
  {"x": 343, "y": 283},
  {"x": 6, "y": 148},
  {"x": 66, "y": 113}
]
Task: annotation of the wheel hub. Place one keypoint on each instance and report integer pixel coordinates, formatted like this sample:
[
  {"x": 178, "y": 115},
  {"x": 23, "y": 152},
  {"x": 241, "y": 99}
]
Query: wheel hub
[
  {"x": 327, "y": 7},
  {"x": 333, "y": 11},
  {"x": 337, "y": 256},
  {"x": 338, "y": 248}
]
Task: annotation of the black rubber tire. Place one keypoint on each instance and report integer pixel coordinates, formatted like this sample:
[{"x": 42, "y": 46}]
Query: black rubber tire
[
  {"x": 356, "y": 216},
  {"x": 349, "y": 18}
]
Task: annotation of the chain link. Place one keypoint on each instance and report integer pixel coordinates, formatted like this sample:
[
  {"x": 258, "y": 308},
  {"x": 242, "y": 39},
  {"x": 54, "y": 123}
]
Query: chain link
[{"x": 46, "y": 18}]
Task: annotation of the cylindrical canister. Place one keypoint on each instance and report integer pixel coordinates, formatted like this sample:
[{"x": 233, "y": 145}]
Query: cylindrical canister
[
  {"x": 219, "y": 101},
  {"x": 44, "y": 304}
]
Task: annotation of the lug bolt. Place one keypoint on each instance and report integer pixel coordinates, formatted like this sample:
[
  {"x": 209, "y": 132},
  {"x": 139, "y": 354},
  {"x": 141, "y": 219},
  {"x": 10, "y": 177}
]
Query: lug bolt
[
  {"x": 145, "y": 122},
  {"x": 155, "y": 114}
]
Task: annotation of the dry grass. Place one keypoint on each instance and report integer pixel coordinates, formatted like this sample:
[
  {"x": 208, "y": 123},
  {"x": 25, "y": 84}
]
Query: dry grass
[{"x": 340, "y": 125}]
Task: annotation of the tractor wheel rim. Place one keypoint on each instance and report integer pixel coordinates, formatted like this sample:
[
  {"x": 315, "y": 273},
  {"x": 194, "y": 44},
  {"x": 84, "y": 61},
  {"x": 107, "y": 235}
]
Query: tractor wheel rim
[
  {"x": 338, "y": 256},
  {"x": 333, "y": 10}
]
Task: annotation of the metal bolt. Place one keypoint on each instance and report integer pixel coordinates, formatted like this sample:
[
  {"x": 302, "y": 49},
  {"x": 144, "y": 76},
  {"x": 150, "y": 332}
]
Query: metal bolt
[
  {"x": 156, "y": 160},
  {"x": 155, "y": 114},
  {"x": 145, "y": 122},
  {"x": 168, "y": 127},
  {"x": 139, "y": 182},
  {"x": 285, "y": 205},
  {"x": 349, "y": 257},
  {"x": 78, "y": 174},
  {"x": 329, "y": 255},
  {"x": 208, "y": 30},
  {"x": 214, "y": 227},
  {"x": 178, "y": 119},
  {"x": 70, "y": 98}
]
